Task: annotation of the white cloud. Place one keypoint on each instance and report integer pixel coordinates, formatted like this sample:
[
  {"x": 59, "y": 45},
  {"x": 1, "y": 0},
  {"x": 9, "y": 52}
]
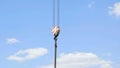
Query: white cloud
[
  {"x": 115, "y": 10},
  {"x": 28, "y": 54},
  {"x": 12, "y": 41},
  {"x": 80, "y": 60},
  {"x": 90, "y": 5}
]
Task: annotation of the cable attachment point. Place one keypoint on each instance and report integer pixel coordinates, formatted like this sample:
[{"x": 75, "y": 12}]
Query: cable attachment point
[{"x": 55, "y": 31}]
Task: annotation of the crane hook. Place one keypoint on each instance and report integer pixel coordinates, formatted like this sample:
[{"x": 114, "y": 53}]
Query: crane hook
[{"x": 55, "y": 31}]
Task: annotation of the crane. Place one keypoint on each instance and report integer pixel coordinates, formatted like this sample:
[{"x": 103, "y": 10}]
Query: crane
[{"x": 56, "y": 27}]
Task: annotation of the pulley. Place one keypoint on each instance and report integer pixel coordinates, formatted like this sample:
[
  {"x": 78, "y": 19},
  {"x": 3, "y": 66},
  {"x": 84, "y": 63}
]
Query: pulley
[
  {"x": 56, "y": 27},
  {"x": 55, "y": 31}
]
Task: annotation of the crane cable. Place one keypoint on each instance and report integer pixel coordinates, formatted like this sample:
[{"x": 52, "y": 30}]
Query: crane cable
[
  {"x": 54, "y": 13},
  {"x": 58, "y": 6}
]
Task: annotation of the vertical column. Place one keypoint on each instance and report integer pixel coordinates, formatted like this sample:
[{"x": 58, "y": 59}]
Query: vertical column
[{"x": 55, "y": 54}]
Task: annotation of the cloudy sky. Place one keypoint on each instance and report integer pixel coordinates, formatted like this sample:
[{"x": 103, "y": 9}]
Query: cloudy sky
[{"x": 89, "y": 38}]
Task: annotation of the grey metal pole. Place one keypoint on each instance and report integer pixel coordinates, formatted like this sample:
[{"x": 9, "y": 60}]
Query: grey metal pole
[{"x": 55, "y": 52}]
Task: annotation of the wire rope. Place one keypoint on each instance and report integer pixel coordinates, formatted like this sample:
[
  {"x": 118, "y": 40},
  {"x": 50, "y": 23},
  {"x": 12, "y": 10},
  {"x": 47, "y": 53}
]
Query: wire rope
[
  {"x": 53, "y": 13},
  {"x": 58, "y": 12},
  {"x": 56, "y": 18}
]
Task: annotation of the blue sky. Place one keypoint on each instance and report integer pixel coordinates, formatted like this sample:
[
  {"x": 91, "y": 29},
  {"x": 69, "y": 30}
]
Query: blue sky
[{"x": 89, "y": 38}]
